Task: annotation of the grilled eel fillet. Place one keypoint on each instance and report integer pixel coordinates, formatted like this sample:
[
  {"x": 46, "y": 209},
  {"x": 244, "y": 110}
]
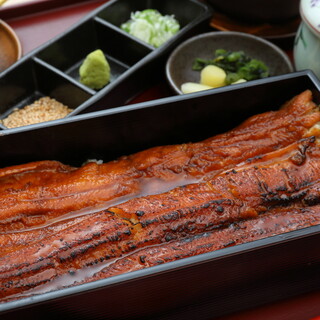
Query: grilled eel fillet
[
  {"x": 287, "y": 178},
  {"x": 276, "y": 221},
  {"x": 33, "y": 194}
]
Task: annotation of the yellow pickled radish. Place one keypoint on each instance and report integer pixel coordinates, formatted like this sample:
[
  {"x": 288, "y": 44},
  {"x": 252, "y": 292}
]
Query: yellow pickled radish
[
  {"x": 190, "y": 87},
  {"x": 213, "y": 76}
]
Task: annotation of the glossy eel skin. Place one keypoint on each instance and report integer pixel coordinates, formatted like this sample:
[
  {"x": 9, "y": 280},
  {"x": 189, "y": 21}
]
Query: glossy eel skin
[
  {"x": 38, "y": 193},
  {"x": 258, "y": 196}
]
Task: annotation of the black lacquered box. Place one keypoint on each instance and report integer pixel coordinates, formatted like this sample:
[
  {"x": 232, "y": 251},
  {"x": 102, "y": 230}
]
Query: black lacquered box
[{"x": 199, "y": 287}]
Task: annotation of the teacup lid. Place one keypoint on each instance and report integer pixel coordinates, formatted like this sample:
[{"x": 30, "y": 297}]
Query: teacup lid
[{"x": 310, "y": 13}]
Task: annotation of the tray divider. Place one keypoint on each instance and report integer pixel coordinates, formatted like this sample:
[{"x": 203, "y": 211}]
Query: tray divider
[
  {"x": 119, "y": 30},
  {"x": 64, "y": 75}
]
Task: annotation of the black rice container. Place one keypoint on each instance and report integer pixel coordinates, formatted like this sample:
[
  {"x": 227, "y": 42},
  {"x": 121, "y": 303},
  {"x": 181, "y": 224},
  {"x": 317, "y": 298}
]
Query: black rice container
[{"x": 199, "y": 287}]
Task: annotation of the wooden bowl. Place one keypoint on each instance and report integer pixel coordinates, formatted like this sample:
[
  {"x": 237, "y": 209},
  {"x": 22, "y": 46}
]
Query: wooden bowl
[{"x": 10, "y": 47}]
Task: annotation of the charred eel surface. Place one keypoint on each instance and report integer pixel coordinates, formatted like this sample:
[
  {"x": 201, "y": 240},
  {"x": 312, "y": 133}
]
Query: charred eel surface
[{"x": 286, "y": 180}]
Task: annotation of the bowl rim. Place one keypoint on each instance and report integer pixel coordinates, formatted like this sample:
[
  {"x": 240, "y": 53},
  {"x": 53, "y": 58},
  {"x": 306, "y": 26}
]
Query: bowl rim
[
  {"x": 280, "y": 52},
  {"x": 13, "y": 38}
]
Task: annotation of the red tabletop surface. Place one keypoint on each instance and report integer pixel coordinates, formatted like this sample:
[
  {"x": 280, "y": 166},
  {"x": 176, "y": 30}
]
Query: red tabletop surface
[{"x": 35, "y": 29}]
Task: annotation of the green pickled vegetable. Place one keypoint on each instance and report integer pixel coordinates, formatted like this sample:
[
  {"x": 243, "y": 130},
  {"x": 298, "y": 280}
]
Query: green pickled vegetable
[
  {"x": 236, "y": 64},
  {"x": 151, "y": 27}
]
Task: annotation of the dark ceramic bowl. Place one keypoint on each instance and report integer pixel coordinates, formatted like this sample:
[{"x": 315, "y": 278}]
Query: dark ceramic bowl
[
  {"x": 179, "y": 65},
  {"x": 276, "y": 11}
]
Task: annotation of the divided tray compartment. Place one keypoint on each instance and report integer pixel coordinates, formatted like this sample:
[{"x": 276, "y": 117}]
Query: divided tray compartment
[
  {"x": 31, "y": 80},
  {"x": 68, "y": 53},
  {"x": 184, "y": 11},
  {"x": 134, "y": 64},
  {"x": 199, "y": 287}
]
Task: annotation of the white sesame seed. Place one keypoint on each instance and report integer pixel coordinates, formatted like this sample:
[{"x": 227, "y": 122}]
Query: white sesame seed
[{"x": 44, "y": 109}]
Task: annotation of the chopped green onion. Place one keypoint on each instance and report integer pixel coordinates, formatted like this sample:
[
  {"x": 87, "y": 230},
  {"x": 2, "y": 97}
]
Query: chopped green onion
[{"x": 151, "y": 27}]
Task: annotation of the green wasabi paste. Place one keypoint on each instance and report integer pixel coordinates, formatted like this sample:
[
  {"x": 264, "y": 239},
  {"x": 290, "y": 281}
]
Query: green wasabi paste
[{"x": 95, "y": 70}]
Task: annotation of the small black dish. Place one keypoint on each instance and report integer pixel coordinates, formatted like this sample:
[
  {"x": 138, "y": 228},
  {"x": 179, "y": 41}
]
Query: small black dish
[
  {"x": 271, "y": 31},
  {"x": 52, "y": 69},
  {"x": 271, "y": 11}
]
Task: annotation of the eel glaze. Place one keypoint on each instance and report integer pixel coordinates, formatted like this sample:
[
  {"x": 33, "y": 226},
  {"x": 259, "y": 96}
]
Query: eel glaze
[{"x": 256, "y": 181}]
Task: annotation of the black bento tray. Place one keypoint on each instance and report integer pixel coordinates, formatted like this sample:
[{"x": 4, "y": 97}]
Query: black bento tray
[
  {"x": 200, "y": 287},
  {"x": 52, "y": 69}
]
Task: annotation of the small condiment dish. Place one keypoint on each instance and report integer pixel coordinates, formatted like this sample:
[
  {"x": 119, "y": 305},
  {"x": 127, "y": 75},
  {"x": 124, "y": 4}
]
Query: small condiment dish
[{"x": 179, "y": 65}]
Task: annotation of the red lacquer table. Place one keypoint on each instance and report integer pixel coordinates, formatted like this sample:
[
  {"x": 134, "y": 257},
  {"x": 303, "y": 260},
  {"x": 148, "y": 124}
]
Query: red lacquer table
[{"x": 46, "y": 19}]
